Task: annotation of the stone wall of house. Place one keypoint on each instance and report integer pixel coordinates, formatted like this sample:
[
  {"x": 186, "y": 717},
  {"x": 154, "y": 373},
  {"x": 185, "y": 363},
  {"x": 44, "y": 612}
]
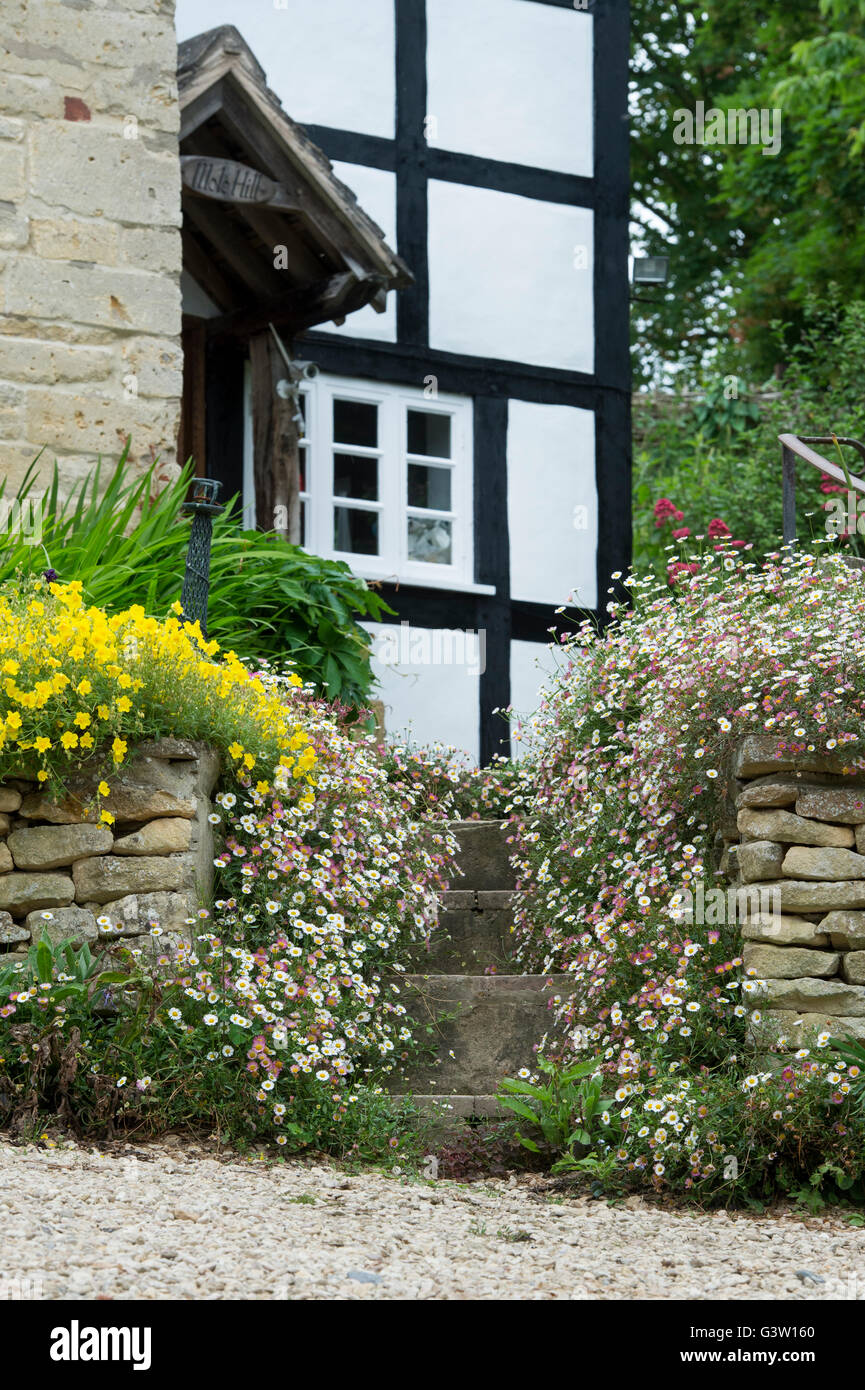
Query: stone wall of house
[
  {"x": 90, "y": 252},
  {"x": 795, "y": 851},
  {"x": 154, "y": 863}
]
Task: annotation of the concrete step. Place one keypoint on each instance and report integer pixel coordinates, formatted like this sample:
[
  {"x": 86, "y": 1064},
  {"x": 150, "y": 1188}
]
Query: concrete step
[
  {"x": 461, "y": 1107},
  {"x": 483, "y": 855},
  {"x": 496, "y": 1022},
  {"x": 473, "y": 933},
  {"x": 444, "y": 1117}
]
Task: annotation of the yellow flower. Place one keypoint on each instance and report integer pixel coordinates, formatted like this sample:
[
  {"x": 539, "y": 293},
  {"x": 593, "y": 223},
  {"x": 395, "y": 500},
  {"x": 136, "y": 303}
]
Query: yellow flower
[
  {"x": 11, "y": 667},
  {"x": 82, "y": 720},
  {"x": 69, "y": 740},
  {"x": 84, "y": 687},
  {"x": 124, "y": 681},
  {"x": 13, "y": 719},
  {"x": 124, "y": 704},
  {"x": 235, "y": 749},
  {"x": 262, "y": 788},
  {"x": 86, "y": 740},
  {"x": 103, "y": 711},
  {"x": 118, "y": 748},
  {"x": 42, "y": 744},
  {"x": 42, "y": 775},
  {"x": 104, "y": 789},
  {"x": 107, "y": 818},
  {"x": 248, "y": 760}
]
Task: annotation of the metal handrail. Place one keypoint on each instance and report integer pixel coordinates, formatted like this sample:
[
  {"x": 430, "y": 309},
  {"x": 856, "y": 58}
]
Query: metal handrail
[{"x": 793, "y": 446}]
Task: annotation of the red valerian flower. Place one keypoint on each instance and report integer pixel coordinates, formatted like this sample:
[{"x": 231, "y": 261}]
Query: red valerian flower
[
  {"x": 679, "y": 568},
  {"x": 826, "y": 484},
  {"x": 718, "y": 529},
  {"x": 665, "y": 510},
  {"x": 681, "y": 533}
]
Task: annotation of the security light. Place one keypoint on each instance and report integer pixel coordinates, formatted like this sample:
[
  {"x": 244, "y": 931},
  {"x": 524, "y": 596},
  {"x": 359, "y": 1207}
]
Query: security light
[{"x": 650, "y": 270}]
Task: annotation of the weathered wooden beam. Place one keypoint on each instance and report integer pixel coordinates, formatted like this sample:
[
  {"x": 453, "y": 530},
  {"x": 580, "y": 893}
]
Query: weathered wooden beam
[
  {"x": 225, "y": 296},
  {"x": 297, "y": 309},
  {"x": 277, "y": 229},
  {"x": 212, "y": 223},
  {"x": 193, "y": 406},
  {"x": 245, "y": 126},
  {"x": 201, "y": 109},
  {"x": 276, "y": 454}
]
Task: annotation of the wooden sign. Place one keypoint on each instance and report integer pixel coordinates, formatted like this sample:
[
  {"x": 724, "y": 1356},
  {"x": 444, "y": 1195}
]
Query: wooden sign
[{"x": 225, "y": 180}]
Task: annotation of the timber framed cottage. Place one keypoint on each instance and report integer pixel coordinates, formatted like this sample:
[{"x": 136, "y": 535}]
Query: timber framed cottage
[{"x": 367, "y": 264}]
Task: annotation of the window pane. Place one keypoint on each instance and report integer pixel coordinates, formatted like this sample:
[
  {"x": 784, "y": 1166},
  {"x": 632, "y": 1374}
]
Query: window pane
[
  {"x": 302, "y": 523},
  {"x": 355, "y": 476},
  {"x": 354, "y": 531},
  {"x": 355, "y": 422},
  {"x": 429, "y": 487},
  {"x": 430, "y": 541},
  {"x": 429, "y": 434},
  {"x": 302, "y": 460}
]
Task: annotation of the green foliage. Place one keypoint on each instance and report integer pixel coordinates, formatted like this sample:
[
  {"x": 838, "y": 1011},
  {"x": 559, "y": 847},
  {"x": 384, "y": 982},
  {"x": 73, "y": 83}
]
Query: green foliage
[
  {"x": 451, "y": 787},
  {"x": 112, "y": 1064},
  {"x": 568, "y": 1108},
  {"x": 812, "y": 198},
  {"x": 712, "y": 461},
  {"x": 750, "y": 237},
  {"x": 685, "y": 197},
  {"x": 269, "y": 601},
  {"x": 280, "y": 1018},
  {"x": 79, "y": 972}
]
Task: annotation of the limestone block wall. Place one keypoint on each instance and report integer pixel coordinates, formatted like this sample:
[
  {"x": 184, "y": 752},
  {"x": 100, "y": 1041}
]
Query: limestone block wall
[
  {"x": 90, "y": 253},
  {"x": 154, "y": 864},
  {"x": 796, "y": 853}
]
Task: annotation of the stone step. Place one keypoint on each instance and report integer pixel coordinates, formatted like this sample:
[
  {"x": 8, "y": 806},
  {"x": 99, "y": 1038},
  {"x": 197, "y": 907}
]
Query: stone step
[
  {"x": 483, "y": 855},
  {"x": 460, "y": 1107},
  {"x": 497, "y": 1021},
  {"x": 473, "y": 933},
  {"x": 443, "y": 1117}
]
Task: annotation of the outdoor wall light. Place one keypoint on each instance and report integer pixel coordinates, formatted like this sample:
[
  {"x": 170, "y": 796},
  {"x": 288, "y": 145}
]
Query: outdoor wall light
[{"x": 650, "y": 270}]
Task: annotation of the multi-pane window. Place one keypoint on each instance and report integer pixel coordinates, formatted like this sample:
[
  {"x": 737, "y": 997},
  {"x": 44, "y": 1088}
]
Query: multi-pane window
[
  {"x": 430, "y": 518},
  {"x": 386, "y": 480}
]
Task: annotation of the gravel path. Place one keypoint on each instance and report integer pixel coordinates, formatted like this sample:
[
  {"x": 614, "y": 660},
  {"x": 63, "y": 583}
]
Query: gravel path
[{"x": 174, "y": 1221}]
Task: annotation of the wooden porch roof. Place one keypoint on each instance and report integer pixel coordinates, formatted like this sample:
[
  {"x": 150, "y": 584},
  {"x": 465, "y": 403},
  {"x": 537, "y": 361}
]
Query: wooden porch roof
[{"x": 333, "y": 259}]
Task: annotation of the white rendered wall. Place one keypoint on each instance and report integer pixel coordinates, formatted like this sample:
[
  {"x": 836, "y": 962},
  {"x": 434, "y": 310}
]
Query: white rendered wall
[
  {"x": 331, "y": 62},
  {"x": 376, "y": 193},
  {"x": 511, "y": 80},
  {"x": 510, "y": 277},
  {"x": 552, "y": 503},
  {"x": 532, "y": 665},
  {"x": 431, "y": 703}
]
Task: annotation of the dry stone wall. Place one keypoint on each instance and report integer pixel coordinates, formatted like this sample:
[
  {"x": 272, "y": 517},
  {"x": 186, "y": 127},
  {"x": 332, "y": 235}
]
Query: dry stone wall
[
  {"x": 90, "y": 254},
  {"x": 154, "y": 864},
  {"x": 795, "y": 854}
]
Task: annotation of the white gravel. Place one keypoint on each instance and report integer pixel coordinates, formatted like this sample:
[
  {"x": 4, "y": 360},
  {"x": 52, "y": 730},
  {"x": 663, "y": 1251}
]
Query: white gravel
[{"x": 174, "y": 1221}]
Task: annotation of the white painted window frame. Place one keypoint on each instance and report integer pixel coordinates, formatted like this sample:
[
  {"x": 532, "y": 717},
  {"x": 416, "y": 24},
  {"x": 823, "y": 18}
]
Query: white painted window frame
[{"x": 393, "y": 404}]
